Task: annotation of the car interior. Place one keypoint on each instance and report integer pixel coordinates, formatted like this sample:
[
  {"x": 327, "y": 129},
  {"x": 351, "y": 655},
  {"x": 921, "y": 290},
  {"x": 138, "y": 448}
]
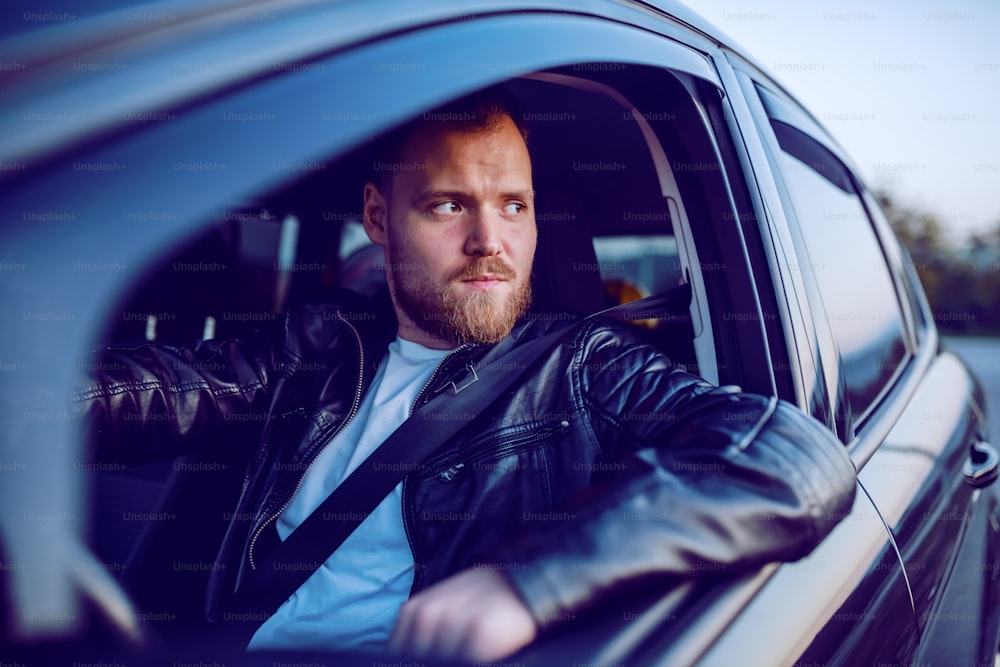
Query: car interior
[{"x": 614, "y": 215}]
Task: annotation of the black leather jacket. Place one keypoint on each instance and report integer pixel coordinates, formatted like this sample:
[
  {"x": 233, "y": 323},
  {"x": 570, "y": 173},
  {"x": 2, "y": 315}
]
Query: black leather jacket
[{"x": 603, "y": 466}]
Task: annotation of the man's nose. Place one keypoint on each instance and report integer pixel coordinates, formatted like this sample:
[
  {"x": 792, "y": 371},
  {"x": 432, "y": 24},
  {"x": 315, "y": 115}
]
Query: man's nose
[{"x": 484, "y": 234}]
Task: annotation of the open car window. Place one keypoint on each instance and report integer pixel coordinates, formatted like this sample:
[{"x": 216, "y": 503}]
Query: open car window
[
  {"x": 250, "y": 202},
  {"x": 613, "y": 225},
  {"x": 620, "y": 193}
]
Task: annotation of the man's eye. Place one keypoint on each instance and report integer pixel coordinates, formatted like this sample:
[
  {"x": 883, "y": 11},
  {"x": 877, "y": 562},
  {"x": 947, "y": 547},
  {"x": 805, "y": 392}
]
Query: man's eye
[
  {"x": 514, "y": 208},
  {"x": 446, "y": 208}
]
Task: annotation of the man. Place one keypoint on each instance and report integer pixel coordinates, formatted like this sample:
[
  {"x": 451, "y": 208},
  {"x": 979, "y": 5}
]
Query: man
[{"x": 514, "y": 525}]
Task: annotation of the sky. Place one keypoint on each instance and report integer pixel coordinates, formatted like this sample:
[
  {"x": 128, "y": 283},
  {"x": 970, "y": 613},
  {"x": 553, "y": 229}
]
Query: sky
[{"x": 910, "y": 88}]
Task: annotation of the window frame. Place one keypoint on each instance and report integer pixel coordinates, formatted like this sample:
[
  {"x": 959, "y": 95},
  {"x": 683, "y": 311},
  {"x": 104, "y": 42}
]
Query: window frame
[{"x": 92, "y": 229}]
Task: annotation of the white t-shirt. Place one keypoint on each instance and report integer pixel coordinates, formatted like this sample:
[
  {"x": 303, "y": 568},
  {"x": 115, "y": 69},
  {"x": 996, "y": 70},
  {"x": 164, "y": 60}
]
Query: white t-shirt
[{"x": 353, "y": 599}]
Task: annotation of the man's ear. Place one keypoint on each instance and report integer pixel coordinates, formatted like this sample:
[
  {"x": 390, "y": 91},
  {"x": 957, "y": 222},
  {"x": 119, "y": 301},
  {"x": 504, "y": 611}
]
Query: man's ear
[{"x": 376, "y": 212}]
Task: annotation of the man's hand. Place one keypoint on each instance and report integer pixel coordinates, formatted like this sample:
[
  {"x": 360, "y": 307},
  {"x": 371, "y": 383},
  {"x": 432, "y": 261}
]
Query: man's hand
[{"x": 472, "y": 616}]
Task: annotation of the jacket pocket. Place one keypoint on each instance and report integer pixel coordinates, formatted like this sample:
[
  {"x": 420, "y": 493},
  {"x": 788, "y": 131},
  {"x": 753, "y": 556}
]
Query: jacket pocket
[{"x": 492, "y": 448}]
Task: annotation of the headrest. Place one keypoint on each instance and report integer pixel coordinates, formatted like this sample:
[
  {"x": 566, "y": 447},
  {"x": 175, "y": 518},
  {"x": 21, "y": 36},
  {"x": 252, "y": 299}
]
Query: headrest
[{"x": 566, "y": 276}]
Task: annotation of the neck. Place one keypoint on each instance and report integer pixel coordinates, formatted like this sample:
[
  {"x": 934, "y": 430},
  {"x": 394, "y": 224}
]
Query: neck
[{"x": 410, "y": 332}]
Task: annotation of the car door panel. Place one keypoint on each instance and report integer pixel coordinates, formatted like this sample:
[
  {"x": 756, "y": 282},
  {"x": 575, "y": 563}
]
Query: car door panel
[
  {"x": 913, "y": 459},
  {"x": 873, "y": 603},
  {"x": 940, "y": 521},
  {"x": 839, "y": 605}
]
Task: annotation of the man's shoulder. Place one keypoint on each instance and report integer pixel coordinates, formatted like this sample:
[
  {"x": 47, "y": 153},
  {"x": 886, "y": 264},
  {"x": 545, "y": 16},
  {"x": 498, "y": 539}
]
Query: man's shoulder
[
  {"x": 318, "y": 325},
  {"x": 581, "y": 331}
]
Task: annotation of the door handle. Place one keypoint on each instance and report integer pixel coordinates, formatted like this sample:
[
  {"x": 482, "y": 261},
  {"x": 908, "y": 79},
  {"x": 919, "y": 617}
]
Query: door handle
[{"x": 981, "y": 467}]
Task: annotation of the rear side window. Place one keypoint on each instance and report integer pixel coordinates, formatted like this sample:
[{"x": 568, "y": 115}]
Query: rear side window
[{"x": 845, "y": 257}]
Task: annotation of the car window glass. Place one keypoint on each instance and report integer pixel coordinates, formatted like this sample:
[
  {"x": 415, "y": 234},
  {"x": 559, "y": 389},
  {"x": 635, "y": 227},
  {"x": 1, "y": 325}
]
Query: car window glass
[
  {"x": 854, "y": 281},
  {"x": 648, "y": 265},
  {"x": 907, "y": 278}
]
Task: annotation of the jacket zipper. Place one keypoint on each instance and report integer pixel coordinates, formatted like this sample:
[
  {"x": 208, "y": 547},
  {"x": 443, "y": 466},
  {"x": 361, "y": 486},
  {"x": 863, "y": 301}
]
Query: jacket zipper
[
  {"x": 416, "y": 401},
  {"x": 404, "y": 499},
  {"x": 261, "y": 454},
  {"x": 449, "y": 473},
  {"x": 354, "y": 410}
]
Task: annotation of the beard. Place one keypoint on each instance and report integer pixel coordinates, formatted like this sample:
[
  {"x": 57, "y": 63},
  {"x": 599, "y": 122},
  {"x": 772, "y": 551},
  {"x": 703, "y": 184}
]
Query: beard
[{"x": 452, "y": 313}]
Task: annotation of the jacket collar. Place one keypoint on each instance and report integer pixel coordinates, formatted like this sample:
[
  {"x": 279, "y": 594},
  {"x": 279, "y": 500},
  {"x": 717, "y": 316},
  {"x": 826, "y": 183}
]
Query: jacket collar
[{"x": 375, "y": 321}]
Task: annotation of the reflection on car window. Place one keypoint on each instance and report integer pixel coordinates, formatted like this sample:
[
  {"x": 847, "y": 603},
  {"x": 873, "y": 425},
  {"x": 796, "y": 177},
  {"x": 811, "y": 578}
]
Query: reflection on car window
[{"x": 851, "y": 272}]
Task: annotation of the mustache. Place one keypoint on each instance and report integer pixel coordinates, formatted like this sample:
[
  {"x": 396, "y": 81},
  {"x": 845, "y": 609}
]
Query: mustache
[{"x": 485, "y": 266}]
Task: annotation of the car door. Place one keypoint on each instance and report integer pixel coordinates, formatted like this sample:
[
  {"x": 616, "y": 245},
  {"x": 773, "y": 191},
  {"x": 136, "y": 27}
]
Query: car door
[
  {"x": 948, "y": 535},
  {"x": 763, "y": 340},
  {"x": 909, "y": 415},
  {"x": 848, "y": 600}
]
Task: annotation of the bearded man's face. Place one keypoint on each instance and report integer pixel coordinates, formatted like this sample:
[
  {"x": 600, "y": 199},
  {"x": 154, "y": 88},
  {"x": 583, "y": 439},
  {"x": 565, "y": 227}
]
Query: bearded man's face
[{"x": 458, "y": 229}]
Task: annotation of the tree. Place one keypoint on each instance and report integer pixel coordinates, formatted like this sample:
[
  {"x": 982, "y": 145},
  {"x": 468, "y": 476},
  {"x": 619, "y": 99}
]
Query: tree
[{"x": 962, "y": 283}]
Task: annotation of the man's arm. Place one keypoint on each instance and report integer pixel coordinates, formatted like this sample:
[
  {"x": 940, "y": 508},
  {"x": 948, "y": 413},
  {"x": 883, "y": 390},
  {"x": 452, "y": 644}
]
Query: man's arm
[
  {"x": 709, "y": 481},
  {"x": 152, "y": 401}
]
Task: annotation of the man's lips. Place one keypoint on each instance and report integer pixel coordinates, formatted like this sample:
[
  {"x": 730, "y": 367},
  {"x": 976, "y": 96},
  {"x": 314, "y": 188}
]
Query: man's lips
[
  {"x": 484, "y": 278},
  {"x": 484, "y": 282}
]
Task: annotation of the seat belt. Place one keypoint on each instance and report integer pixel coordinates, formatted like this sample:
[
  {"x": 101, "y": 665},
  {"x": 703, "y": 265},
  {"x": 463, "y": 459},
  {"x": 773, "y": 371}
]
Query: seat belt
[{"x": 292, "y": 561}]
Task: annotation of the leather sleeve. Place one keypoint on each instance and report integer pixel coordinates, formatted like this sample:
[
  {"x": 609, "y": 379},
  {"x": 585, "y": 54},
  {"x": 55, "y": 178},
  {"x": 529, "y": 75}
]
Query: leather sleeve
[
  {"x": 152, "y": 402},
  {"x": 709, "y": 481}
]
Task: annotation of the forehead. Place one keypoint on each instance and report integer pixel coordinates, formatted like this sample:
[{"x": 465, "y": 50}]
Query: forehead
[{"x": 436, "y": 149}]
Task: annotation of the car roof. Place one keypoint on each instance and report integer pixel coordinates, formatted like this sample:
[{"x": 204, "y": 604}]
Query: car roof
[
  {"x": 87, "y": 18},
  {"x": 155, "y": 56}
]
